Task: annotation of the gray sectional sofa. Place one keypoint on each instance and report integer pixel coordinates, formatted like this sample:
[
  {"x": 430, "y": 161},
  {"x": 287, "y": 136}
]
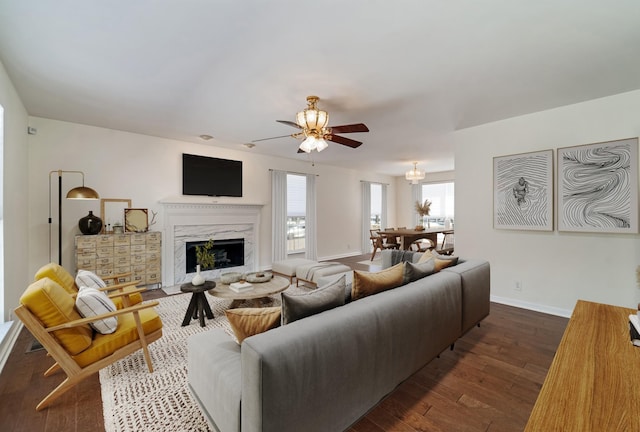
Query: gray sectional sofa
[{"x": 324, "y": 372}]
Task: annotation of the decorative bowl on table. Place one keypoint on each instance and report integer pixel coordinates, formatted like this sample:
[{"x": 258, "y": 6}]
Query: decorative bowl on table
[
  {"x": 231, "y": 277},
  {"x": 257, "y": 277}
]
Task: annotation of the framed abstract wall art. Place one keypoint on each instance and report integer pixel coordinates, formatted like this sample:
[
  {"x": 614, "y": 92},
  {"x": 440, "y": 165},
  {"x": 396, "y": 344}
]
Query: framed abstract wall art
[
  {"x": 598, "y": 187},
  {"x": 523, "y": 191}
]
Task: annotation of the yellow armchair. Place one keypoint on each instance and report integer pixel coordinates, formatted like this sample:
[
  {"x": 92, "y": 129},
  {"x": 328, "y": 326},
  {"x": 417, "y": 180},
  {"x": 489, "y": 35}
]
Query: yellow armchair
[
  {"x": 48, "y": 311},
  {"x": 60, "y": 275}
]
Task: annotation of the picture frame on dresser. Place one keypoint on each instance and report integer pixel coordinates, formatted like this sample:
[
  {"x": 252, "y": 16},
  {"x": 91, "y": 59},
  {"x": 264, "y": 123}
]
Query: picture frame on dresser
[
  {"x": 112, "y": 212},
  {"x": 523, "y": 191},
  {"x": 136, "y": 220},
  {"x": 598, "y": 187}
]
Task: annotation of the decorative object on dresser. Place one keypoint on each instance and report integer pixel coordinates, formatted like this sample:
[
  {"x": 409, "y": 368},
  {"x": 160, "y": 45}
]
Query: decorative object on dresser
[
  {"x": 79, "y": 192},
  {"x": 112, "y": 213},
  {"x": 90, "y": 224},
  {"x": 109, "y": 254},
  {"x": 136, "y": 220}
]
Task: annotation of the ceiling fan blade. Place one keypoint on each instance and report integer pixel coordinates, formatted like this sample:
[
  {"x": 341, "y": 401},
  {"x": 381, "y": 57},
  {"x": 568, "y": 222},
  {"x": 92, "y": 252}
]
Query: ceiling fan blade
[
  {"x": 290, "y": 123},
  {"x": 264, "y": 139},
  {"x": 357, "y": 127},
  {"x": 344, "y": 141}
]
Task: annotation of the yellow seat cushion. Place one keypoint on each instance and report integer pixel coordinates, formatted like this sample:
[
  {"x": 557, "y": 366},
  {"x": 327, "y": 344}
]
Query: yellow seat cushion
[
  {"x": 134, "y": 299},
  {"x": 105, "y": 345},
  {"x": 53, "y": 306},
  {"x": 58, "y": 274}
]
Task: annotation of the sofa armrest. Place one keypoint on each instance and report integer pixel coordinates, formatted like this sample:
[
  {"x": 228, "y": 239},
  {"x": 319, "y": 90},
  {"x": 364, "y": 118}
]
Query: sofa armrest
[
  {"x": 476, "y": 289},
  {"x": 215, "y": 377}
]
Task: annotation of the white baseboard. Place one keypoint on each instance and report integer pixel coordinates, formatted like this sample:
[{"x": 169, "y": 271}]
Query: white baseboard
[
  {"x": 532, "y": 306},
  {"x": 9, "y": 340}
]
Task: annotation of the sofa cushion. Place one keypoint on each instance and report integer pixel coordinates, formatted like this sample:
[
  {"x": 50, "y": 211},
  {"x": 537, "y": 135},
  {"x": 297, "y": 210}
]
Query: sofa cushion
[
  {"x": 247, "y": 322},
  {"x": 295, "y": 307},
  {"x": 91, "y": 302},
  {"x": 413, "y": 272},
  {"x": 366, "y": 283}
]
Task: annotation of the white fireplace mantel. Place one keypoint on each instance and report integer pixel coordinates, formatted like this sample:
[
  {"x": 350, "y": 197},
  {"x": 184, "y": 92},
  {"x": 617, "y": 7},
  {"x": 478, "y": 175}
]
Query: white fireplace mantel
[{"x": 193, "y": 221}]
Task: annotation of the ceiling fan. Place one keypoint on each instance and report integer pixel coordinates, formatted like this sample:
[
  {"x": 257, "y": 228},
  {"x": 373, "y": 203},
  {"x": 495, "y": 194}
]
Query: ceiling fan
[{"x": 314, "y": 129}]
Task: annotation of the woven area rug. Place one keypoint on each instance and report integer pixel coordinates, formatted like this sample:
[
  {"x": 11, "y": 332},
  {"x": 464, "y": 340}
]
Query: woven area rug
[{"x": 135, "y": 400}]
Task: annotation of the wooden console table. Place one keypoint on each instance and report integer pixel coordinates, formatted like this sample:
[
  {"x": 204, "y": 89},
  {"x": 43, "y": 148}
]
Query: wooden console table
[{"x": 593, "y": 383}]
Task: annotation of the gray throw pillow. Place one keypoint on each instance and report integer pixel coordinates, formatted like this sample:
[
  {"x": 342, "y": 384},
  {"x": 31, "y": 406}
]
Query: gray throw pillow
[
  {"x": 413, "y": 272},
  {"x": 295, "y": 307}
]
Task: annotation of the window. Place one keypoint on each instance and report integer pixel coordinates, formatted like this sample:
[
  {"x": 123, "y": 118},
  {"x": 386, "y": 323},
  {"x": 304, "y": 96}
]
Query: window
[
  {"x": 376, "y": 206},
  {"x": 296, "y": 212},
  {"x": 441, "y": 196}
]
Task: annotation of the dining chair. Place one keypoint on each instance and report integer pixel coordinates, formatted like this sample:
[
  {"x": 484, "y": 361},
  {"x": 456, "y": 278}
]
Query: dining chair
[{"x": 378, "y": 241}]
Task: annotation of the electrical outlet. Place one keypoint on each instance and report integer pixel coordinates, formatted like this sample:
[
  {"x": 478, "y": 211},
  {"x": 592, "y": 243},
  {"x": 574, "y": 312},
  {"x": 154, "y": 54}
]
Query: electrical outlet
[{"x": 518, "y": 286}]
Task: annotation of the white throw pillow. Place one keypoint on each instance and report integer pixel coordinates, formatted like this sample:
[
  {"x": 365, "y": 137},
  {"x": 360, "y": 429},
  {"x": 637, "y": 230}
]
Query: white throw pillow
[
  {"x": 85, "y": 278},
  {"x": 91, "y": 302}
]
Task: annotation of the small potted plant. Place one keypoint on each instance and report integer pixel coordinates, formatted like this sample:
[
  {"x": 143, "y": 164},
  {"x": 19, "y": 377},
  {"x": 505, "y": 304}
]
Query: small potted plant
[{"x": 205, "y": 260}]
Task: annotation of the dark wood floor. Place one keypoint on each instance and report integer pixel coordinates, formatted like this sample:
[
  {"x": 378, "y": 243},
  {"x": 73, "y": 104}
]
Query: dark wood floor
[{"x": 489, "y": 382}]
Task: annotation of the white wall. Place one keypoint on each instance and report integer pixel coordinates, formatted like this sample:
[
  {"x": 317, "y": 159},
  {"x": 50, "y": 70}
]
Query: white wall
[
  {"x": 555, "y": 269},
  {"x": 149, "y": 169},
  {"x": 15, "y": 196}
]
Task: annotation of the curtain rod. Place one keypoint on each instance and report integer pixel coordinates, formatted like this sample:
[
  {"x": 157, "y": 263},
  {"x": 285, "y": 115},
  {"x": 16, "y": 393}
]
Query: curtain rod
[
  {"x": 293, "y": 172},
  {"x": 367, "y": 181}
]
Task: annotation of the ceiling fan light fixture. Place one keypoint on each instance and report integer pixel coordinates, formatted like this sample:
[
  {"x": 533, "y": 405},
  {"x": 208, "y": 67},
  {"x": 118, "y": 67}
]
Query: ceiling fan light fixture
[
  {"x": 321, "y": 145},
  {"x": 312, "y": 118},
  {"x": 309, "y": 144},
  {"x": 415, "y": 174}
]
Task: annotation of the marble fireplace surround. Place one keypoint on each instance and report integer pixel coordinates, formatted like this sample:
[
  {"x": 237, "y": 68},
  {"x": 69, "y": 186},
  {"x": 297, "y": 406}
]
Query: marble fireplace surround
[{"x": 187, "y": 222}]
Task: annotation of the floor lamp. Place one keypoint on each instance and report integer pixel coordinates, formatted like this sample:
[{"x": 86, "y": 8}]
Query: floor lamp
[{"x": 78, "y": 193}]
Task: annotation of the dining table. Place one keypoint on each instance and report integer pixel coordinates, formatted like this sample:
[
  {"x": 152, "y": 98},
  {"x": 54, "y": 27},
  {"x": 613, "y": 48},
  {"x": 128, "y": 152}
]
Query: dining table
[{"x": 409, "y": 235}]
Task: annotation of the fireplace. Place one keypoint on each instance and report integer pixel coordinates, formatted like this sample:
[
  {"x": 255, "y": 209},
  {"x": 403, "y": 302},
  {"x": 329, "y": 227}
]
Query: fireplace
[
  {"x": 227, "y": 253},
  {"x": 233, "y": 227}
]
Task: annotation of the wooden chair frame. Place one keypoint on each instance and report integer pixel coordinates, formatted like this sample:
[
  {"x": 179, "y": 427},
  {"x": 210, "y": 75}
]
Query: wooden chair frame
[
  {"x": 379, "y": 241},
  {"x": 65, "y": 361}
]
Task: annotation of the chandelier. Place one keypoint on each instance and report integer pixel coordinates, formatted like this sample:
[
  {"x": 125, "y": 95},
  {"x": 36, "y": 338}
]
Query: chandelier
[
  {"x": 314, "y": 126},
  {"x": 415, "y": 174}
]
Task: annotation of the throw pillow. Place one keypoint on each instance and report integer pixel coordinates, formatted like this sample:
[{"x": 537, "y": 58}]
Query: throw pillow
[
  {"x": 247, "y": 322},
  {"x": 426, "y": 256},
  {"x": 444, "y": 263},
  {"x": 366, "y": 284},
  {"x": 85, "y": 278},
  {"x": 91, "y": 302},
  {"x": 413, "y": 272},
  {"x": 295, "y": 307}
]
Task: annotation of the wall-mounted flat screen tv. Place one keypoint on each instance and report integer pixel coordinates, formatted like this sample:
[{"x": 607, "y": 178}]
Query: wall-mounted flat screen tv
[{"x": 203, "y": 175}]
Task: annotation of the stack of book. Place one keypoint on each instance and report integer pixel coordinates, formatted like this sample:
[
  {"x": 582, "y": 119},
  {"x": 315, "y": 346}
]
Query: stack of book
[{"x": 240, "y": 287}]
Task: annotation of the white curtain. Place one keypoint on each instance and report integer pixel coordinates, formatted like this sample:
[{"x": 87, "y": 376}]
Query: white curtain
[
  {"x": 416, "y": 195},
  {"x": 310, "y": 230},
  {"x": 278, "y": 215},
  {"x": 366, "y": 216},
  {"x": 383, "y": 209}
]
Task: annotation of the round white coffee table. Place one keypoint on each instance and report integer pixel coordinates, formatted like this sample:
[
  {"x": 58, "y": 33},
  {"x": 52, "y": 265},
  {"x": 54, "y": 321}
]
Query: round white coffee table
[{"x": 259, "y": 295}]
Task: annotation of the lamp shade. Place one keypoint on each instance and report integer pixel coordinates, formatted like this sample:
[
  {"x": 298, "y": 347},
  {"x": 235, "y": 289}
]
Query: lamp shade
[{"x": 82, "y": 193}]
